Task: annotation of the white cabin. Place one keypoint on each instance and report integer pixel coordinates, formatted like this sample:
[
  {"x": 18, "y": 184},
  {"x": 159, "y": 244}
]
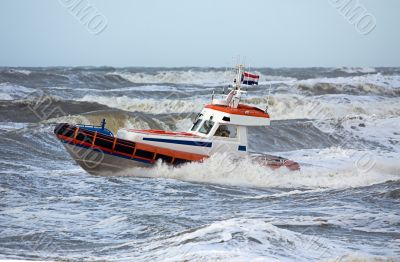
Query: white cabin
[{"x": 220, "y": 127}]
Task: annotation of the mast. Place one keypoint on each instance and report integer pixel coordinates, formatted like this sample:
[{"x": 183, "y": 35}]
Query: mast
[
  {"x": 237, "y": 92},
  {"x": 238, "y": 79},
  {"x": 232, "y": 99}
]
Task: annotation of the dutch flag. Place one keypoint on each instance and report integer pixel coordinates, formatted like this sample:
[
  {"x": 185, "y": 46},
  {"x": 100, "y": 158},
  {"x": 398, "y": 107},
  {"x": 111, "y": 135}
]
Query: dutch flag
[{"x": 250, "y": 79}]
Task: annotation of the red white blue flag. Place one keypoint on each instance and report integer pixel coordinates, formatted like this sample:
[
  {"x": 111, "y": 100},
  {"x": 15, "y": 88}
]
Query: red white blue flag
[{"x": 250, "y": 79}]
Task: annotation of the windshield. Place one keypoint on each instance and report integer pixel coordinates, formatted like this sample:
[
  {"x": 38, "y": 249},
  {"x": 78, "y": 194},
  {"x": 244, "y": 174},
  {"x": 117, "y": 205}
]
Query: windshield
[
  {"x": 206, "y": 127},
  {"x": 196, "y": 125}
]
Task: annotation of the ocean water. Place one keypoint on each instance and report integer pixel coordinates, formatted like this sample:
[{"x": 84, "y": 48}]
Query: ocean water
[{"x": 341, "y": 124}]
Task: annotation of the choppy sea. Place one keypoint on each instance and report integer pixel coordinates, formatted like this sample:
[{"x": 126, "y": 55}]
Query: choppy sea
[{"x": 341, "y": 124}]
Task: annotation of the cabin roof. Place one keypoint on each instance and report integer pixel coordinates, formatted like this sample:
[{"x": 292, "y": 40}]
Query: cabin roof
[{"x": 242, "y": 109}]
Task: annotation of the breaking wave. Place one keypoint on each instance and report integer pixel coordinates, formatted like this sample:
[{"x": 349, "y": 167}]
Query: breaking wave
[
  {"x": 289, "y": 106},
  {"x": 13, "y": 92},
  {"x": 330, "y": 168},
  {"x": 152, "y": 106},
  {"x": 241, "y": 239},
  {"x": 192, "y": 77},
  {"x": 282, "y": 106},
  {"x": 375, "y": 84},
  {"x": 178, "y": 77},
  {"x": 357, "y": 70},
  {"x": 117, "y": 120}
]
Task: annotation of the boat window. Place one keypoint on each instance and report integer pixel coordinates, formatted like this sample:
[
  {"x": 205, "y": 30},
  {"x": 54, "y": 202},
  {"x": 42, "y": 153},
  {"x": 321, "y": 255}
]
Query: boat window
[
  {"x": 226, "y": 131},
  {"x": 206, "y": 127},
  {"x": 196, "y": 124},
  {"x": 199, "y": 115}
]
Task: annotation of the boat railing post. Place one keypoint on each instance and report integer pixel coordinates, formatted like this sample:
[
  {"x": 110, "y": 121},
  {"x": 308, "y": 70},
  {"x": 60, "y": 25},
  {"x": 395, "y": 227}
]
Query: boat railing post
[
  {"x": 75, "y": 135},
  {"x": 114, "y": 143},
  {"x": 94, "y": 138},
  {"x": 134, "y": 152}
]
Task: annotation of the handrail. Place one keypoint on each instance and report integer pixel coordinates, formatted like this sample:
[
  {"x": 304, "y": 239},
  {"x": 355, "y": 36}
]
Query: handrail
[{"x": 121, "y": 146}]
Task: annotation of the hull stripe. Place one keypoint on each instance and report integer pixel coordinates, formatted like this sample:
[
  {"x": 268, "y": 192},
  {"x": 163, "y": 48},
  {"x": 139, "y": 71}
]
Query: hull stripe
[{"x": 180, "y": 142}]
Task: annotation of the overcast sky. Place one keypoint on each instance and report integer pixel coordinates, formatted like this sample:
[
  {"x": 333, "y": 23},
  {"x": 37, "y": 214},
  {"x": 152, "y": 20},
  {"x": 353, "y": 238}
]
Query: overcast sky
[{"x": 269, "y": 33}]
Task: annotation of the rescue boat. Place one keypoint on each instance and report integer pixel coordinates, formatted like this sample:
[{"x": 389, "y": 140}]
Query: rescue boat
[{"x": 221, "y": 127}]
